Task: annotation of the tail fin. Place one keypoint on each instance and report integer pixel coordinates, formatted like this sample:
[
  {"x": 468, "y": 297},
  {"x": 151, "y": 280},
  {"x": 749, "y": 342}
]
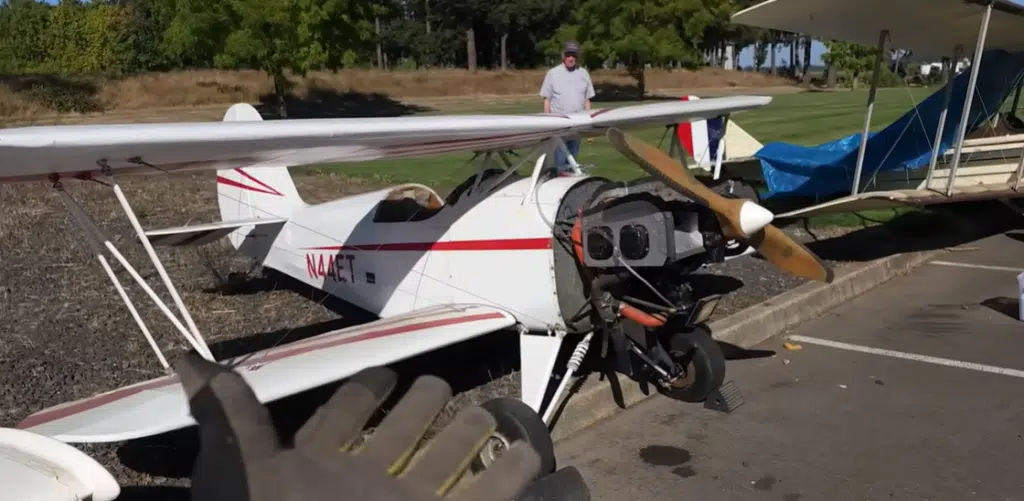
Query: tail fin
[
  {"x": 705, "y": 140},
  {"x": 246, "y": 194},
  {"x": 264, "y": 192}
]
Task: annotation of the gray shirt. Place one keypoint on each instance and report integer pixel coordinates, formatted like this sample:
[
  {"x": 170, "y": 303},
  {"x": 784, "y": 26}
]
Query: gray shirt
[{"x": 567, "y": 90}]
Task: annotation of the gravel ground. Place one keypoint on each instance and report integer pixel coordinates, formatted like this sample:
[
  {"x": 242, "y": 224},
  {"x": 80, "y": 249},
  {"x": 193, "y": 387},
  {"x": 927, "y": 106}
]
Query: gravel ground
[{"x": 66, "y": 334}]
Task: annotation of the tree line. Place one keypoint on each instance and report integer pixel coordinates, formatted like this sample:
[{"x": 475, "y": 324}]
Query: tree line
[{"x": 282, "y": 37}]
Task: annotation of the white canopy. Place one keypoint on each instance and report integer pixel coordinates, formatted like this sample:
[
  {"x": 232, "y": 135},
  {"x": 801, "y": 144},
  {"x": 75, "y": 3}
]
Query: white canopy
[{"x": 931, "y": 29}]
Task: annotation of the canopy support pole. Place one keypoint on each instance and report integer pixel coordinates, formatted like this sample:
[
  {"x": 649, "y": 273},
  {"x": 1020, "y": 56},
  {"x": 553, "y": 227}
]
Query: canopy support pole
[
  {"x": 971, "y": 84},
  {"x": 957, "y": 54},
  {"x": 1016, "y": 96},
  {"x": 882, "y": 35},
  {"x": 721, "y": 149},
  {"x": 1020, "y": 171}
]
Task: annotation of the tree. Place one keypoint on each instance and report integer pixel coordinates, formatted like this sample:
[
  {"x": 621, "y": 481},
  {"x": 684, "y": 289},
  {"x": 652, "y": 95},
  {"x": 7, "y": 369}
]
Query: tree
[
  {"x": 149, "y": 20},
  {"x": 855, "y": 59},
  {"x": 719, "y": 31},
  {"x": 92, "y": 37},
  {"x": 639, "y": 33},
  {"x": 22, "y": 48},
  {"x": 518, "y": 16},
  {"x": 806, "y": 71},
  {"x": 464, "y": 15},
  {"x": 197, "y": 32},
  {"x": 275, "y": 37}
]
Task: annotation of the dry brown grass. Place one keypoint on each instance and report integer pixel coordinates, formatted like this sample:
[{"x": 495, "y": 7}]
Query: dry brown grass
[{"x": 198, "y": 88}]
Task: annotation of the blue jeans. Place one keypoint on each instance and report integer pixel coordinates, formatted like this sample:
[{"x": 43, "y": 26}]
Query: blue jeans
[{"x": 561, "y": 161}]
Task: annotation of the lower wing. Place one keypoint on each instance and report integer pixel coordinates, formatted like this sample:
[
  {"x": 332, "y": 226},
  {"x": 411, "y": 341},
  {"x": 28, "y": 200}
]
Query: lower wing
[
  {"x": 38, "y": 468},
  {"x": 160, "y": 405}
]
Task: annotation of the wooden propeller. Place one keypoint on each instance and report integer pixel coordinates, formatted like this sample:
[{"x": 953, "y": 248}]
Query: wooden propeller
[{"x": 740, "y": 219}]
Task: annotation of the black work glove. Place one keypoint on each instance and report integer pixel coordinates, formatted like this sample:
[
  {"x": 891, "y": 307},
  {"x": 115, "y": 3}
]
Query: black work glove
[{"x": 241, "y": 457}]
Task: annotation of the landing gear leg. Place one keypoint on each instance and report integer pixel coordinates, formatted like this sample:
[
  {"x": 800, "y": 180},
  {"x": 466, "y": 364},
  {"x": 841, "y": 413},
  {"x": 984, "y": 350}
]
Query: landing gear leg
[
  {"x": 701, "y": 360},
  {"x": 516, "y": 421}
]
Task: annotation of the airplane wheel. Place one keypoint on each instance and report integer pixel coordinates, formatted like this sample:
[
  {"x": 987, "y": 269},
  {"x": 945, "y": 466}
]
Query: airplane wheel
[
  {"x": 516, "y": 421},
  {"x": 703, "y": 363}
]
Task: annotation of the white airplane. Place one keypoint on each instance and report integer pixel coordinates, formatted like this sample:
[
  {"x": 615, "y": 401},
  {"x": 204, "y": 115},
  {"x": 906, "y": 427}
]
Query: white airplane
[{"x": 501, "y": 251}]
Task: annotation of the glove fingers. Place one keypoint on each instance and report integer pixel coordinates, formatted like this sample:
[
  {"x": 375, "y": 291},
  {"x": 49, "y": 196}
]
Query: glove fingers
[
  {"x": 340, "y": 421},
  {"x": 226, "y": 409},
  {"x": 504, "y": 479},
  {"x": 395, "y": 440},
  {"x": 451, "y": 451}
]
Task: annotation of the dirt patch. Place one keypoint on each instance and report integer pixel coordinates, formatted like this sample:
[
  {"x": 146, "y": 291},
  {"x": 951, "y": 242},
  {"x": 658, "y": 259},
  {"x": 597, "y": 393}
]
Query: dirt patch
[{"x": 23, "y": 98}]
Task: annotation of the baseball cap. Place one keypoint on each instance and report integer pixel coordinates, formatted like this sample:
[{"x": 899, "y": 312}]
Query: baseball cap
[{"x": 571, "y": 47}]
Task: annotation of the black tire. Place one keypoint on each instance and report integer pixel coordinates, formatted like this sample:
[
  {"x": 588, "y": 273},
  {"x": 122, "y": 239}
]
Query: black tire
[
  {"x": 517, "y": 421},
  {"x": 703, "y": 361},
  {"x": 566, "y": 484}
]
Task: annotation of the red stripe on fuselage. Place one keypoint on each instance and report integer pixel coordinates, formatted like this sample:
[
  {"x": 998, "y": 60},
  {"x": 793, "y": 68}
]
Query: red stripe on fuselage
[{"x": 456, "y": 245}]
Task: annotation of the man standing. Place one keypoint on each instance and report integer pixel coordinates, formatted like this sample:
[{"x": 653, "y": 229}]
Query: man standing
[{"x": 567, "y": 89}]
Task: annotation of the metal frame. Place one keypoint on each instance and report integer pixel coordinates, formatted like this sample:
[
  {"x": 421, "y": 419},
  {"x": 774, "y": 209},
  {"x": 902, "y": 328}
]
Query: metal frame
[
  {"x": 962, "y": 125},
  {"x": 882, "y": 36},
  {"x": 979, "y": 46},
  {"x": 97, "y": 241},
  {"x": 950, "y": 65}
]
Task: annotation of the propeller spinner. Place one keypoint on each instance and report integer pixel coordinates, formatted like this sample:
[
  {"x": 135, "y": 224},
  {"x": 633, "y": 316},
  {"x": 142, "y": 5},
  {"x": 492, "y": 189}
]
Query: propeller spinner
[{"x": 740, "y": 219}]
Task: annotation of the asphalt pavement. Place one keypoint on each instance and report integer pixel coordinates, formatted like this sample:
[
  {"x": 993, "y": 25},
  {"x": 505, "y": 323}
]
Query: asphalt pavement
[{"x": 912, "y": 391}]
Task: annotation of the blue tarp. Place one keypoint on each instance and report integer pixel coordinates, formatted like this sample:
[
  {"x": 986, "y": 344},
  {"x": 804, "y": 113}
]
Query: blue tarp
[{"x": 827, "y": 170}]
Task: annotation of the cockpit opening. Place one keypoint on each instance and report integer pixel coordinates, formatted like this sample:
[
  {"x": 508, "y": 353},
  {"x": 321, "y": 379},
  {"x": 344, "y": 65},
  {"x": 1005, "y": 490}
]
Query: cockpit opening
[{"x": 408, "y": 202}]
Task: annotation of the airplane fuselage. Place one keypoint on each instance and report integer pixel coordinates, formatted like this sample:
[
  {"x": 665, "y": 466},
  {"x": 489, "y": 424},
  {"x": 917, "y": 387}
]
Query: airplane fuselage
[{"x": 491, "y": 248}]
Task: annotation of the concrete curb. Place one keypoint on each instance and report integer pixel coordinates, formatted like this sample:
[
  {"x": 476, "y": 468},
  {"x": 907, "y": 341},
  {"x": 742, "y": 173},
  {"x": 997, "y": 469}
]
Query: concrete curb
[{"x": 595, "y": 400}]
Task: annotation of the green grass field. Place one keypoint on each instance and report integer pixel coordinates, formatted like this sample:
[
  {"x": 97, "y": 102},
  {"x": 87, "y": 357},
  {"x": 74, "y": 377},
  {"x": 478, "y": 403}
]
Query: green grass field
[{"x": 804, "y": 118}]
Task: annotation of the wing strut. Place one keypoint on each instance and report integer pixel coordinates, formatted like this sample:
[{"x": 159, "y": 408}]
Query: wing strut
[
  {"x": 91, "y": 237},
  {"x": 158, "y": 265},
  {"x": 97, "y": 240}
]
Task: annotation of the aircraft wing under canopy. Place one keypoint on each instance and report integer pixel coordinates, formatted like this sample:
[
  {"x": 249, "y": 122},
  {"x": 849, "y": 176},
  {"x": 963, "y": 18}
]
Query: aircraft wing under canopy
[
  {"x": 160, "y": 405},
  {"x": 244, "y": 140},
  {"x": 930, "y": 29}
]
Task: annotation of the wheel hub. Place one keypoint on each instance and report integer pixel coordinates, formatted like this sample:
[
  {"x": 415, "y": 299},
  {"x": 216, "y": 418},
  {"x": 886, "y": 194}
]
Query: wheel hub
[
  {"x": 688, "y": 377},
  {"x": 495, "y": 446},
  {"x": 689, "y": 372}
]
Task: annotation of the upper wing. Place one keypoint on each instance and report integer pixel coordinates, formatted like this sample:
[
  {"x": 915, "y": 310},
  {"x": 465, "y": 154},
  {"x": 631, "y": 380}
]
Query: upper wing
[
  {"x": 243, "y": 140},
  {"x": 38, "y": 468},
  {"x": 159, "y": 405}
]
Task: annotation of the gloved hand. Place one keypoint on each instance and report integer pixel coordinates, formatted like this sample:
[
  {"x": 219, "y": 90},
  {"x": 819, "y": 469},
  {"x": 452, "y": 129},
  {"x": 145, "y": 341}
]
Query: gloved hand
[{"x": 241, "y": 457}]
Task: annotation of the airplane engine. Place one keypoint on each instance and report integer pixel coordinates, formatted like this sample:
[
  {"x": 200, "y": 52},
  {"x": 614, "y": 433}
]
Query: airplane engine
[
  {"x": 624, "y": 256},
  {"x": 646, "y": 225}
]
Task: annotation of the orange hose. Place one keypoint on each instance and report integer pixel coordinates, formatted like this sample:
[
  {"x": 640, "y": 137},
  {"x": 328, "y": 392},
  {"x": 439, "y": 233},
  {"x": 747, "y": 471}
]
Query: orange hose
[
  {"x": 577, "y": 236},
  {"x": 640, "y": 317}
]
